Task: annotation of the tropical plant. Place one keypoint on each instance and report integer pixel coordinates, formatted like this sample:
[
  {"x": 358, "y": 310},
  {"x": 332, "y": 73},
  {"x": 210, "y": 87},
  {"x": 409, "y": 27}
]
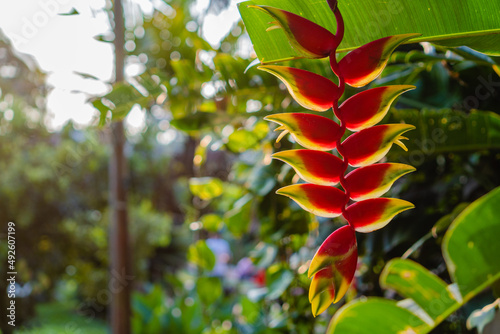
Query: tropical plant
[
  {"x": 470, "y": 255},
  {"x": 333, "y": 266}
]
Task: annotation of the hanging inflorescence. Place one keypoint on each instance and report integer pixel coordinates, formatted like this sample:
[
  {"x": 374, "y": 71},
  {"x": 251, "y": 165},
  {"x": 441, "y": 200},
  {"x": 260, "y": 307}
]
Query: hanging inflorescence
[{"x": 333, "y": 266}]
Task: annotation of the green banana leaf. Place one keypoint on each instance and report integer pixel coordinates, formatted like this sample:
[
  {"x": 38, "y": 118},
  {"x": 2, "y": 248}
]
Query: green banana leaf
[{"x": 472, "y": 23}]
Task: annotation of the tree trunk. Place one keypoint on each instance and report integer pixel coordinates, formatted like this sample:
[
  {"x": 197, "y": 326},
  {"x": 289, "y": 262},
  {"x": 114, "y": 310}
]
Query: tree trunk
[{"x": 120, "y": 279}]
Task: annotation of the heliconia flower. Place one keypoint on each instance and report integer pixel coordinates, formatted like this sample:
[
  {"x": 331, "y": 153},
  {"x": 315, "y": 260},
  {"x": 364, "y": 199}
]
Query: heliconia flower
[
  {"x": 332, "y": 268},
  {"x": 308, "y": 38},
  {"x": 324, "y": 201},
  {"x": 369, "y": 107},
  {"x": 313, "y": 166},
  {"x": 373, "y": 214},
  {"x": 362, "y": 65},
  {"x": 374, "y": 180},
  {"x": 370, "y": 145},
  {"x": 311, "y": 131},
  {"x": 310, "y": 90}
]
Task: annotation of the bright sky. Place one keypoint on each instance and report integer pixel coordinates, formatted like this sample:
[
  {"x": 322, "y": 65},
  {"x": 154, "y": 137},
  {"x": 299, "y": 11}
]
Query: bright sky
[{"x": 63, "y": 45}]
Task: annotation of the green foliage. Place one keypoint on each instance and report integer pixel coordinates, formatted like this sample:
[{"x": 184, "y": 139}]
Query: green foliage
[
  {"x": 59, "y": 318},
  {"x": 469, "y": 251},
  {"x": 259, "y": 285},
  {"x": 472, "y": 24},
  {"x": 206, "y": 188},
  {"x": 201, "y": 255},
  {"x": 209, "y": 289}
]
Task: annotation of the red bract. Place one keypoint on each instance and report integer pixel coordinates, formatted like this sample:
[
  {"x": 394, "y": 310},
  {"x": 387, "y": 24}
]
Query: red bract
[
  {"x": 314, "y": 166},
  {"x": 309, "y": 38},
  {"x": 373, "y": 214},
  {"x": 311, "y": 131},
  {"x": 367, "y": 108},
  {"x": 310, "y": 90},
  {"x": 322, "y": 201},
  {"x": 332, "y": 268},
  {"x": 363, "y": 65},
  {"x": 370, "y": 145}
]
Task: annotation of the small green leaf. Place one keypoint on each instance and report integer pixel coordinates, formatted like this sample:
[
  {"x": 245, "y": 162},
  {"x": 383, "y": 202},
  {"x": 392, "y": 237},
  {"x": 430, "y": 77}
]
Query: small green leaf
[
  {"x": 242, "y": 140},
  {"x": 206, "y": 188},
  {"x": 250, "y": 310},
  {"x": 209, "y": 289},
  {"x": 70, "y": 13},
  {"x": 201, "y": 255},
  {"x": 411, "y": 280},
  {"x": 211, "y": 222},
  {"x": 86, "y": 75},
  {"x": 264, "y": 254},
  {"x": 280, "y": 281},
  {"x": 238, "y": 218},
  {"x": 375, "y": 316}
]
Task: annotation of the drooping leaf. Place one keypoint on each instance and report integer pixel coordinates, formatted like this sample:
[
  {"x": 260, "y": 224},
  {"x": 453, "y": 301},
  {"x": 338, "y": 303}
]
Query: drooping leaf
[
  {"x": 332, "y": 269},
  {"x": 474, "y": 25},
  {"x": 411, "y": 280},
  {"x": 310, "y": 90},
  {"x": 308, "y": 38},
  {"x": 313, "y": 166},
  {"x": 470, "y": 246},
  {"x": 362, "y": 65},
  {"x": 370, "y": 145},
  {"x": 324, "y": 201},
  {"x": 311, "y": 131},
  {"x": 375, "y": 316},
  {"x": 373, "y": 214},
  {"x": 374, "y": 180},
  {"x": 369, "y": 107}
]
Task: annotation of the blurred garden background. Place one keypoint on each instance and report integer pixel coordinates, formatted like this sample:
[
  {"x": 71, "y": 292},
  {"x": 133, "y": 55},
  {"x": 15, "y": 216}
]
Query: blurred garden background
[{"x": 213, "y": 248}]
